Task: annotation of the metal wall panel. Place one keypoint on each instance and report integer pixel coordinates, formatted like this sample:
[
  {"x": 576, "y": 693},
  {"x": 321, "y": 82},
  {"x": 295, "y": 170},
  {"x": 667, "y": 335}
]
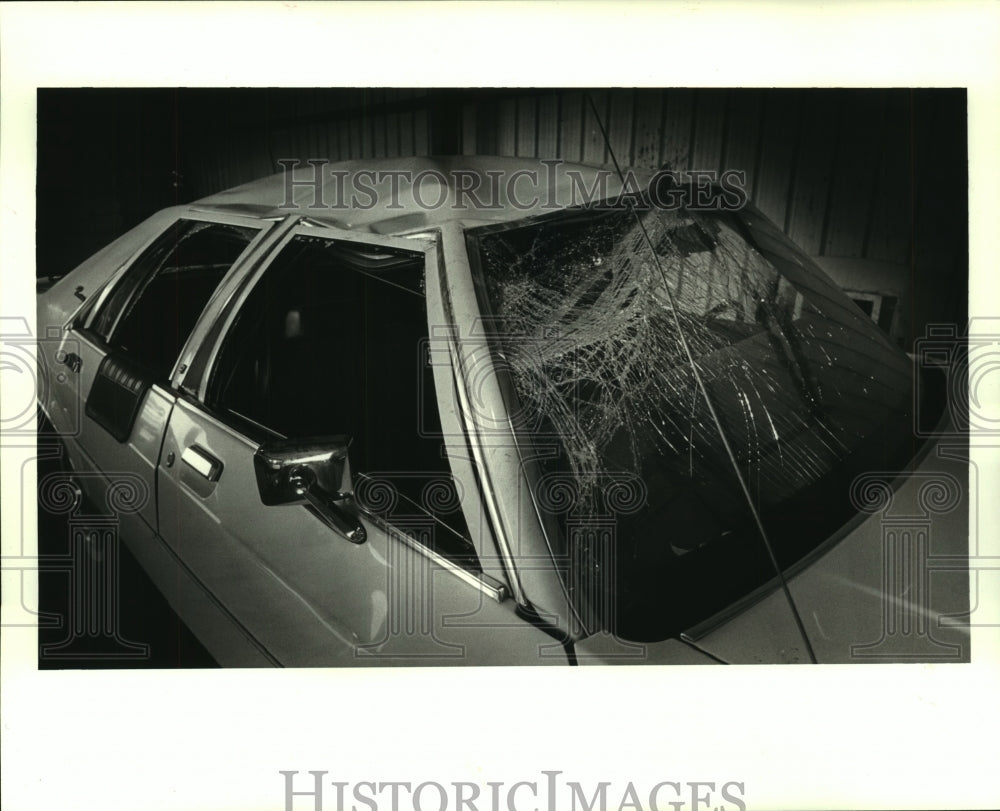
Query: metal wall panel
[
  {"x": 831, "y": 167},
  {"x": 878, "y": 175}
]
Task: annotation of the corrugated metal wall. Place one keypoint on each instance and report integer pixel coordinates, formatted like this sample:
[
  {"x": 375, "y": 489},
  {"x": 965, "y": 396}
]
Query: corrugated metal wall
[
  {"x": 876, "y": 176},
  {"x": 832, "y": 167},
  {"x": 251, "y": 130}
]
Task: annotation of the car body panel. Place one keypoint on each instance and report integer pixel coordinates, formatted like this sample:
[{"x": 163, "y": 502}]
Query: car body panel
[
  {"x": 388, "y": 211},
  {"x": 275, "y": 568},
  {"x": 863, "y": 599},
  {"x": 506, "y": 485},
  {"x": 67, "y": 386},
  {"x": 131, "y": 464},
  {"x": 274, "y": 585},
  {"x": 604, "y": 649},
  {"x": 307, "y": 596}
]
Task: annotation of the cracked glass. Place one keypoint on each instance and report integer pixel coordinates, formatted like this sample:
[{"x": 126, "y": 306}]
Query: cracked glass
[{"x": 637, "y": 491}]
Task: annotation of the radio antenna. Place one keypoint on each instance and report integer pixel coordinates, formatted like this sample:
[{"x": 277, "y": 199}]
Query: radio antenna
[{"x": 704, "y": 392}]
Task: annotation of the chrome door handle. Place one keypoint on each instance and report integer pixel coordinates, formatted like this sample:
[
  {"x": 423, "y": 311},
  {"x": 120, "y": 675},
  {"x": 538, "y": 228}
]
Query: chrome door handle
[{"x": 202, "y": 462}]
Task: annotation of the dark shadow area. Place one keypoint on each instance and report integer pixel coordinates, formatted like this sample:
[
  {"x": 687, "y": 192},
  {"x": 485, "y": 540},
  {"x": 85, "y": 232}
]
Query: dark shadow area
[{"x": 98, "y": 617}]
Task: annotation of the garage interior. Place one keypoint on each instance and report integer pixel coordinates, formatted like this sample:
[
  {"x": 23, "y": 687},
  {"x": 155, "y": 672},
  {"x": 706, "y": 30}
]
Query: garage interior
[{"x": 870, "y": 182}]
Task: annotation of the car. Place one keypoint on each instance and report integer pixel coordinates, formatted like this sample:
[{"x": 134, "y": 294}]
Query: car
[{"x": 491, "y": 411}]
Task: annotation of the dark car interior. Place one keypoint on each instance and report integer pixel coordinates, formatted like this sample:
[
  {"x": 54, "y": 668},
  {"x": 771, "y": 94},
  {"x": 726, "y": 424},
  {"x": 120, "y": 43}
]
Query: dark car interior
[
  {"x": 152, "y": 311},
  {"x": 332, "y": 340}
]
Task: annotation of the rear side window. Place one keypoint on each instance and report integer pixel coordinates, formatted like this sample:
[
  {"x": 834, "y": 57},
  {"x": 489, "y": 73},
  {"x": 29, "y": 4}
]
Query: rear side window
[{"x": 154, "y": 308}]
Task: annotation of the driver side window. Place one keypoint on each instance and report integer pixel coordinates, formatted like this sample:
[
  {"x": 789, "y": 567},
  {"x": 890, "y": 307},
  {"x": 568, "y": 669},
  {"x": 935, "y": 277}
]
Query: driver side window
[{"x": 332, "y": 340}]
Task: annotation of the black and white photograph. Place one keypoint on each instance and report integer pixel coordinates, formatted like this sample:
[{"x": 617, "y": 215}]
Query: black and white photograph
[
  {"x": 504, "y": 377},
  {"x": 499, "y": 405}
]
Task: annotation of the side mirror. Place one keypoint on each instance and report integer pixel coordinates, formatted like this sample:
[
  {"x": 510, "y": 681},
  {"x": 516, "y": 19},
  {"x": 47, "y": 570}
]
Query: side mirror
[{"x": 314, "y": 471}]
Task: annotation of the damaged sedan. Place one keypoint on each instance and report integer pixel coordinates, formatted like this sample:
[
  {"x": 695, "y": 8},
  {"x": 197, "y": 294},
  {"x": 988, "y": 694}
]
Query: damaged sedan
[{"x": 425, "y": 431}]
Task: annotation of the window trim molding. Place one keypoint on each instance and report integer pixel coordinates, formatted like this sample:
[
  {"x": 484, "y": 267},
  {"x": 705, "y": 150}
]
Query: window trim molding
[
  {"x": 122, "y": 272},
  {"x": 423, "y": 244},
  {"x": 482, "y": 581},
  {"x": 283, "y": 234}
]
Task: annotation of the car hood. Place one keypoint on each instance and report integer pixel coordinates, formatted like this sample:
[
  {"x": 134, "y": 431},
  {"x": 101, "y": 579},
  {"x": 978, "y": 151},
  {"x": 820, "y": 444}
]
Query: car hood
[{"x": 892, "y": 587}]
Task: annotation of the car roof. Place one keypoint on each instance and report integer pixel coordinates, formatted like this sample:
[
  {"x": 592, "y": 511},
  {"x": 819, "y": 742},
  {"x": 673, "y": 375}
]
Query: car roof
[{"x": 398, "y": 195}]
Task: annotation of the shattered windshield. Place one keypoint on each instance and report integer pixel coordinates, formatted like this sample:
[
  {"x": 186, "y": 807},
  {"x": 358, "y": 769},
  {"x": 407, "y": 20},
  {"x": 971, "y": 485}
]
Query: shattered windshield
[{"x": 637, "y": 492}]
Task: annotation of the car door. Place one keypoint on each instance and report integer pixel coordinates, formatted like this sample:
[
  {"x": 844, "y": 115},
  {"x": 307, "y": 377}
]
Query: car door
[
  {"x": 121, "y": 348},
  {"x": 329, "y": 339}
]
